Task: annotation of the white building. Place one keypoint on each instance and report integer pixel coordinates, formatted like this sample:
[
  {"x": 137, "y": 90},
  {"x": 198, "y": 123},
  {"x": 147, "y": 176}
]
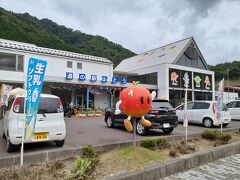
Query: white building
[
  {"x": 77, "y": 78},
  {"x": 163, "y": 68}
]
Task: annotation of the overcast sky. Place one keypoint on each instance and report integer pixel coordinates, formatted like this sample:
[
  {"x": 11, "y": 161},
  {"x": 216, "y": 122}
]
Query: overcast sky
[{"x": 142, "y": 25}]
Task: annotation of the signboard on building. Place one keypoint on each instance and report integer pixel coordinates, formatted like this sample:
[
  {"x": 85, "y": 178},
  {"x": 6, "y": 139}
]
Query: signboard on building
[{"x": 69, "y": 76}]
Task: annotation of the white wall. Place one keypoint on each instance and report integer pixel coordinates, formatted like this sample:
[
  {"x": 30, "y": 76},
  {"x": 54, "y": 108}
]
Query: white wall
[{"x": 102, "y": 101}]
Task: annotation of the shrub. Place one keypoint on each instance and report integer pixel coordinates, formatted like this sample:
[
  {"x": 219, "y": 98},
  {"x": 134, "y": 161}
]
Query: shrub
[
  {"x": 173, "y": 152},
  {"x": 89, "y": 152},
  {"x": 148, "y": 143},
  {"x": 208, "y": 134},
  {"x": 162, "y": 143},
  {"x": 82, "y": 166},
  {"x": 224, "y": 138},
  {"x": 215, "y": 135}
]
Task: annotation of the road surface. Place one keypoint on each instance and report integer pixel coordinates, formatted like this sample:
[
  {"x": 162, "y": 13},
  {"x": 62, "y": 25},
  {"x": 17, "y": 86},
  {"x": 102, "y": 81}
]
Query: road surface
[{"x": 81, "y": 131}]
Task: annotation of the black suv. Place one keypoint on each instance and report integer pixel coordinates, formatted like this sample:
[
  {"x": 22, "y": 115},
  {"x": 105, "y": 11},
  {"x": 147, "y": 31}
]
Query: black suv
[{"x": 162, "y": 116}]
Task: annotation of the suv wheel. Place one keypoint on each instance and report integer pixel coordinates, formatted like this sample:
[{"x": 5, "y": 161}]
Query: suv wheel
[
  {"x": 167, "y": 130},
  {"x": 208, "y": 122},
  {"x": 109, "y": 121},
  {"x": 10, "y": 147},
  {"x": 60, "y": 143},
  {"x": 141, "y": 129},
  {"x": 225, "y": 125}
]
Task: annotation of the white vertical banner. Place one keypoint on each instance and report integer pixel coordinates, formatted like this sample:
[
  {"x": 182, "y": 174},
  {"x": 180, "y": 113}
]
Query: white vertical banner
[
  {"x": 219, "y": 112},
  {"x": 186, "y": 85}
]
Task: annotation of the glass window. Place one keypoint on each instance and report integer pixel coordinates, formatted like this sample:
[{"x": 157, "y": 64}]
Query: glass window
[
  {"x": 69, "y": 64},
  {"x": 46, "y": 105},
  {"x": 232, "y": 105},
  {"x": 201, "y": 105},
  {"x": 8, "y": 62},
  {"x": 143, "y": 79},
  {"x": 79, "y": 65},
  {"x": 200, "y": 64},
  {"x": 20, "y": 63},
  {"x": 152, "y": 78},
  {"x": 190, "y": 105}
]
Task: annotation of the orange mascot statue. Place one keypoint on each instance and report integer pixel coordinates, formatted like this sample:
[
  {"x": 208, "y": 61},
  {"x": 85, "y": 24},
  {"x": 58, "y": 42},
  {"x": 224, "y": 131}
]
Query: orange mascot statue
[{"x": 135, "y": 102}]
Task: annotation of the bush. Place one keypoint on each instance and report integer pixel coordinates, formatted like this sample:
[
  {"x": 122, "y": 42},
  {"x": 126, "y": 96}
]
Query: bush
[
  {"x": 215, "y": 135},
  {"x": 224, "y": 138},
  {"x": 208, "y": 134},
  {"x": 89, "y": 152},
  {"x": 148, "y": 143},
  {"x": 162, "y": 143}
]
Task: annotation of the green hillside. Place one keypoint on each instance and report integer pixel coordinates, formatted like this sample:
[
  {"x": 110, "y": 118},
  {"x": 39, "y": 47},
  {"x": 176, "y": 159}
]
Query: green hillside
[
  {"x": 46, "y": 33},
  {"x": 221, "y": 70}
]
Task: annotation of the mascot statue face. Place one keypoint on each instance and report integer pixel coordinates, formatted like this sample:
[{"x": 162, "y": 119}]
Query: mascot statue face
[{"x": 136, "y": 101}]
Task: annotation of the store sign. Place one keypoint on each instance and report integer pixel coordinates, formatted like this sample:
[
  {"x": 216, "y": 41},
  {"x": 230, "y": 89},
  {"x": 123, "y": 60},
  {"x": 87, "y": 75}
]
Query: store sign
[
  {"x": 182, "y": 77},
  {"x": 197, "y": 81},
  {"x": 174, "y": 78},
  {"x": 69, "y": 76},
  {"x": 124, "y": 81},
  {"x": 104, "y": 79},
  {"x": 93, "y": 78},
  {"x": 114, "y": 80},
  {"x": 207, "y": 83},
  {"x": 82, "y": 77}
]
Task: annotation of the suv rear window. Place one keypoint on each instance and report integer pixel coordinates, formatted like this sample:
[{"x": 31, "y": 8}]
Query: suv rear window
[
  {"x": 161, "y": 105},
  {"x": 46, "y": 105}
]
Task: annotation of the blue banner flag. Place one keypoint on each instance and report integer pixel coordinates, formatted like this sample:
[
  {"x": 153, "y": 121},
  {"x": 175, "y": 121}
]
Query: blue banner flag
[{"x": 35, "y": 78}]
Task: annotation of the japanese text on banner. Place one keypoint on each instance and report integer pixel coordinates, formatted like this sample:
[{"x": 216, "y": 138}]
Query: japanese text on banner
[{"x": 35, "y": 78}]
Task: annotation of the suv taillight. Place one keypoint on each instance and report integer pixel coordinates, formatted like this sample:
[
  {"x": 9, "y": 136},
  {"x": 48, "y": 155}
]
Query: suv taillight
[
  {"x": 16, "y": 106},
  {"x": 60, "y": 104}
]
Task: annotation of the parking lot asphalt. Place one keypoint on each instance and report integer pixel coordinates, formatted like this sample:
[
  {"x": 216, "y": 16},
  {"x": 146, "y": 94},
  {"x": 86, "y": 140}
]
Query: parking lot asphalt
[{"x": 81, "y": 131}]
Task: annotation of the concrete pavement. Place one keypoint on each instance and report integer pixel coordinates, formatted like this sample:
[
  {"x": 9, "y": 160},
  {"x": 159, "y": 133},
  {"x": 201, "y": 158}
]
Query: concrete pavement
[{"x": 226, "y": 168}]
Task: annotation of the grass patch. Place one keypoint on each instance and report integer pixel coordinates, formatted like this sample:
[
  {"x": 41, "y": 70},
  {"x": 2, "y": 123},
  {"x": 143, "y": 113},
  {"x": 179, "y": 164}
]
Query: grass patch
[{"x": 135, "y": 157}]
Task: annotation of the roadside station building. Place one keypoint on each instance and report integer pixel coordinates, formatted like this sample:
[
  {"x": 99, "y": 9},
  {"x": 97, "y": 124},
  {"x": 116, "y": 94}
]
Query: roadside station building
[
  {"x": 163, "y": 68},
  {"x": 78, "y": 78}
]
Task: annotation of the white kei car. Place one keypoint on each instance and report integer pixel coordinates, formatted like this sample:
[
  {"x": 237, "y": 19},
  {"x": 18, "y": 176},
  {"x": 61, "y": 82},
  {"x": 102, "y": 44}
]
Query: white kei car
[
  {"x": 234, "y": 109},
  {"x": 50, "y": 123},
  {"x": 203, "y": 112}
]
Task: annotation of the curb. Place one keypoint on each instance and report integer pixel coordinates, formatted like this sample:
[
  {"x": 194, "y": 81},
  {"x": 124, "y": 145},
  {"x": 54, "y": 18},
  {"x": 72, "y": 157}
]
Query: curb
[
  {"x": 169, "y": 167},
  {"x": 66, "y": 152}
]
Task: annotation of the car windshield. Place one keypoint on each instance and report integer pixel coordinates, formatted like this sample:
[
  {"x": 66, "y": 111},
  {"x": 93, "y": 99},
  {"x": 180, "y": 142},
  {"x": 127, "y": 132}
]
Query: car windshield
[
  {"x": 46, "y": 105},
  {"x": 161, "y": 105}
]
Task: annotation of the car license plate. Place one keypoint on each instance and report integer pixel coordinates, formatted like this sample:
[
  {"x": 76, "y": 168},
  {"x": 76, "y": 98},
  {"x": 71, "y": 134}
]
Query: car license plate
[
  {"x": 166, "y": 125},
  {"x": 40, "y": 136}
]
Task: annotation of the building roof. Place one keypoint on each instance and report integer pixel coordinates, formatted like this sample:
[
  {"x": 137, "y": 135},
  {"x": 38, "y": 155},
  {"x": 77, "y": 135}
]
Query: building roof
[
  {"x": 165, "y": 54},
  {"x": 41, "y": 50}
]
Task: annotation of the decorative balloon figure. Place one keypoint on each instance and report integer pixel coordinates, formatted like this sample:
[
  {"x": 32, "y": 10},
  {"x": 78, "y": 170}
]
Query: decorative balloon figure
[{"x": 135, "y": 102}]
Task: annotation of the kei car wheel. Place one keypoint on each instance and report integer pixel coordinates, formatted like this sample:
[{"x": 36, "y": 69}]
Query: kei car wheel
[
  {"x": 60, "y": 143},
  {"x": 207, "y": 122},
  {"x": 167, "y": 130},
  {"x": 10, "y": 147},
  {"x": 109, "y": 121},
  {"x": 140, "y": 129}
]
